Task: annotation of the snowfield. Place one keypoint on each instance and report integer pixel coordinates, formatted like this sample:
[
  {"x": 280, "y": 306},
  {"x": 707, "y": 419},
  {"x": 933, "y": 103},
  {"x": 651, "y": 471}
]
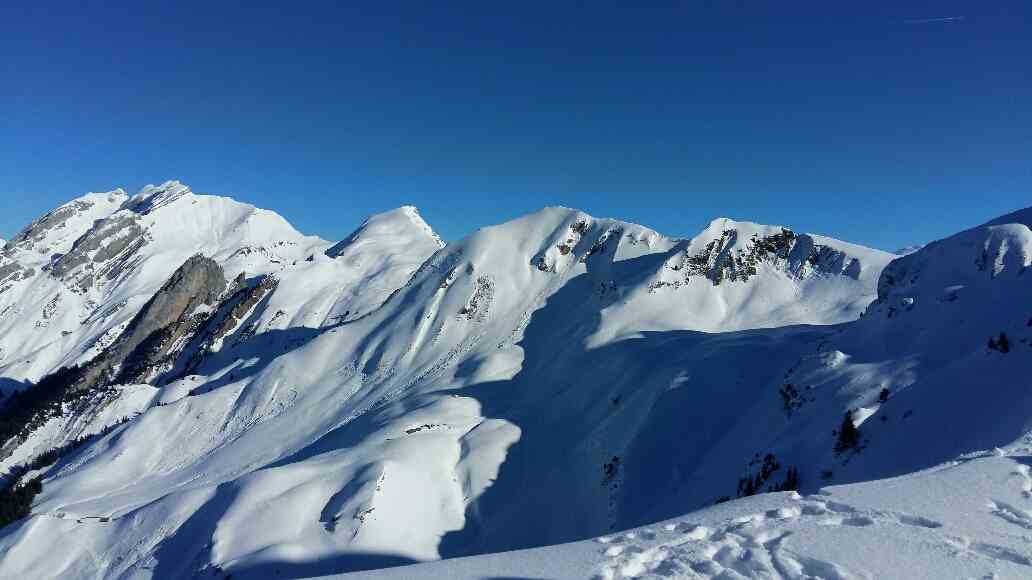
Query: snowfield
[{"x": 559, "y": 396}]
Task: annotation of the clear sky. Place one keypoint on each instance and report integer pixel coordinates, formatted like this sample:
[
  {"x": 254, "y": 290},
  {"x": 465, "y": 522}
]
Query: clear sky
[{"x": 882, "y": 123}]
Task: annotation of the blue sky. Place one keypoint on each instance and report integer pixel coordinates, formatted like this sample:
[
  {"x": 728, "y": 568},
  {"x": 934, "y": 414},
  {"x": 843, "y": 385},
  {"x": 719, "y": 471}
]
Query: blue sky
[{"x": 864, "y": 122}]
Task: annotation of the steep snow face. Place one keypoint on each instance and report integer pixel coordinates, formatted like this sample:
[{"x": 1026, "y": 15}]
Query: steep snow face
[
  {"x": 956, "y": 311},
  {"x": 378, "y": 258},
  {"x": 391, "y": 396},
  {"x": 963, "y": 290}
]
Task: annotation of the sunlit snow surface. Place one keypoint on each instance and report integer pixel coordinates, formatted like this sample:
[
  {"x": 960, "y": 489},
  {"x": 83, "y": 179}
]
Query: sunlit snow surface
[{"x": 553, "y": 379}]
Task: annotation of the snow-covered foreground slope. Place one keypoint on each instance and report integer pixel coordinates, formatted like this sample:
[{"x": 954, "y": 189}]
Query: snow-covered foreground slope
[
  {"x": 387, "y": 400},
  {"x": 969, "y": 518}
]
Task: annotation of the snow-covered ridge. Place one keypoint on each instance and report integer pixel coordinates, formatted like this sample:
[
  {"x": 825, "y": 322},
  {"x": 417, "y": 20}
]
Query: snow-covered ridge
[
  {"x": 1000, "y": 247},
  {"x": 391, "y": 399}
]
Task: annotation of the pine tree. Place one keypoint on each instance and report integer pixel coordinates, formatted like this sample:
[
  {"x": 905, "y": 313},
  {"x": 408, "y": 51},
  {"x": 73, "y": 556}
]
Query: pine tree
[
  {"x": 848, "y": 434},
  {"x": 16, "y": 501},
  {"x": 791, "y": 482},
  {"x": 1003, "y": 343}
]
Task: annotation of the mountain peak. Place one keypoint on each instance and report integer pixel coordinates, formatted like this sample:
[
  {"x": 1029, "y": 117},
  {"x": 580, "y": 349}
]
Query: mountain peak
[
  {"x": 412, "y": 213},
  {"x": 399, "y": 226},
  {"x": 719, "y": 225},
  {"x": 722, "y": 223}
]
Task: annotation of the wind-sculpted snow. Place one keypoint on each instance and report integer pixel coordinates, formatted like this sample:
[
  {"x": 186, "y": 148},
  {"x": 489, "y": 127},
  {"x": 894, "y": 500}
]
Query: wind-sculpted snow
[{"x": 389, "y": 400}]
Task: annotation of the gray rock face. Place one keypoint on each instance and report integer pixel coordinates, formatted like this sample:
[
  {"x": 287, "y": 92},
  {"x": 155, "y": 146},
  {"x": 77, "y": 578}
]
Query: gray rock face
[
  {"x": 798, "y": 255},
  {"x": 241, "y": 301},
  {"x": 241, "y": 304},
  {"x": 38, "y": 230},
  {"x": 108, "y": 247},
  {"x": 12, "y": 271},
  {"x": 169, "y": 318},
  {"x": 105, "y": 250},
  {"x": 149, "y": 346}
]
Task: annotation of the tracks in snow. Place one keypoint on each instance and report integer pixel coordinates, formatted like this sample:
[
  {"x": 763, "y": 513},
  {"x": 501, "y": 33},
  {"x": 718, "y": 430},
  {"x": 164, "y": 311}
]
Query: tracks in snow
[{"x": 759, "y": 545}]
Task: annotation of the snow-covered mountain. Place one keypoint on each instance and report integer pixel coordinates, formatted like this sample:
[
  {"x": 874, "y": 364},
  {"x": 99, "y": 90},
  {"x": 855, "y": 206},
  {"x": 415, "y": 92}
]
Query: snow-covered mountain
[
  {"x": 294, "y": 407},
  {"x": 71, "y": 280}
]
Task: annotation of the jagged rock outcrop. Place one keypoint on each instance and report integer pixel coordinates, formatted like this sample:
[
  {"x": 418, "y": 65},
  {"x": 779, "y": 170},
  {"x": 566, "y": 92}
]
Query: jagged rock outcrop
[
  {"x": 727, "y": 257},
  {"x": 33, "y": 239},
  {"x": 101, "y": 253},
  {"x": 12, "y": 271},
  {"x": 240, "y": 304},
  {"x": 799, "y": 255},
  {"x": 50, "y": 236},
  {"x": 174, "y": 314},
  {"x": 39, "y": 230},
  {"x": 241, "y": 299},
  {"x": 148, "y": 347},
  {"x": 169, "y": 319}
]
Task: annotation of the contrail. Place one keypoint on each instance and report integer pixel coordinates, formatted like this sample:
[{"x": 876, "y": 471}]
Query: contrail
[{"x": 931, "y": 20}]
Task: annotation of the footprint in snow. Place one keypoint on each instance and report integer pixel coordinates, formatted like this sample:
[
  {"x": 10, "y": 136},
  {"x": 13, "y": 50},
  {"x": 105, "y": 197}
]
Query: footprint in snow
[{"x": 751, "y": 546}]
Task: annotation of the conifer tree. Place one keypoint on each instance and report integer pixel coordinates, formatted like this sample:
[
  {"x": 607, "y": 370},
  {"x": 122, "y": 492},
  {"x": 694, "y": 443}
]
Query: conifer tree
[{"x": 848, "y": 434}]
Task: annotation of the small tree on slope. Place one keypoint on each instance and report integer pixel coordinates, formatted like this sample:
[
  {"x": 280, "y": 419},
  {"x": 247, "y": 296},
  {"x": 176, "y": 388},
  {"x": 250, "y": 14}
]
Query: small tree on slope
[{"x": 848, "y": 434}]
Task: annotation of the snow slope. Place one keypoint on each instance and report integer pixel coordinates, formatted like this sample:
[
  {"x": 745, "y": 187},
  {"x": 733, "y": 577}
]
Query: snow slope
[
  {"x": 559, "y": 377},
  {"x": 965, "y": 519}
]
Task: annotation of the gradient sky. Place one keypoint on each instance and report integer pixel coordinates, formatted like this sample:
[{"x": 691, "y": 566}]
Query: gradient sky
[{"x": 879, "y": 124}]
